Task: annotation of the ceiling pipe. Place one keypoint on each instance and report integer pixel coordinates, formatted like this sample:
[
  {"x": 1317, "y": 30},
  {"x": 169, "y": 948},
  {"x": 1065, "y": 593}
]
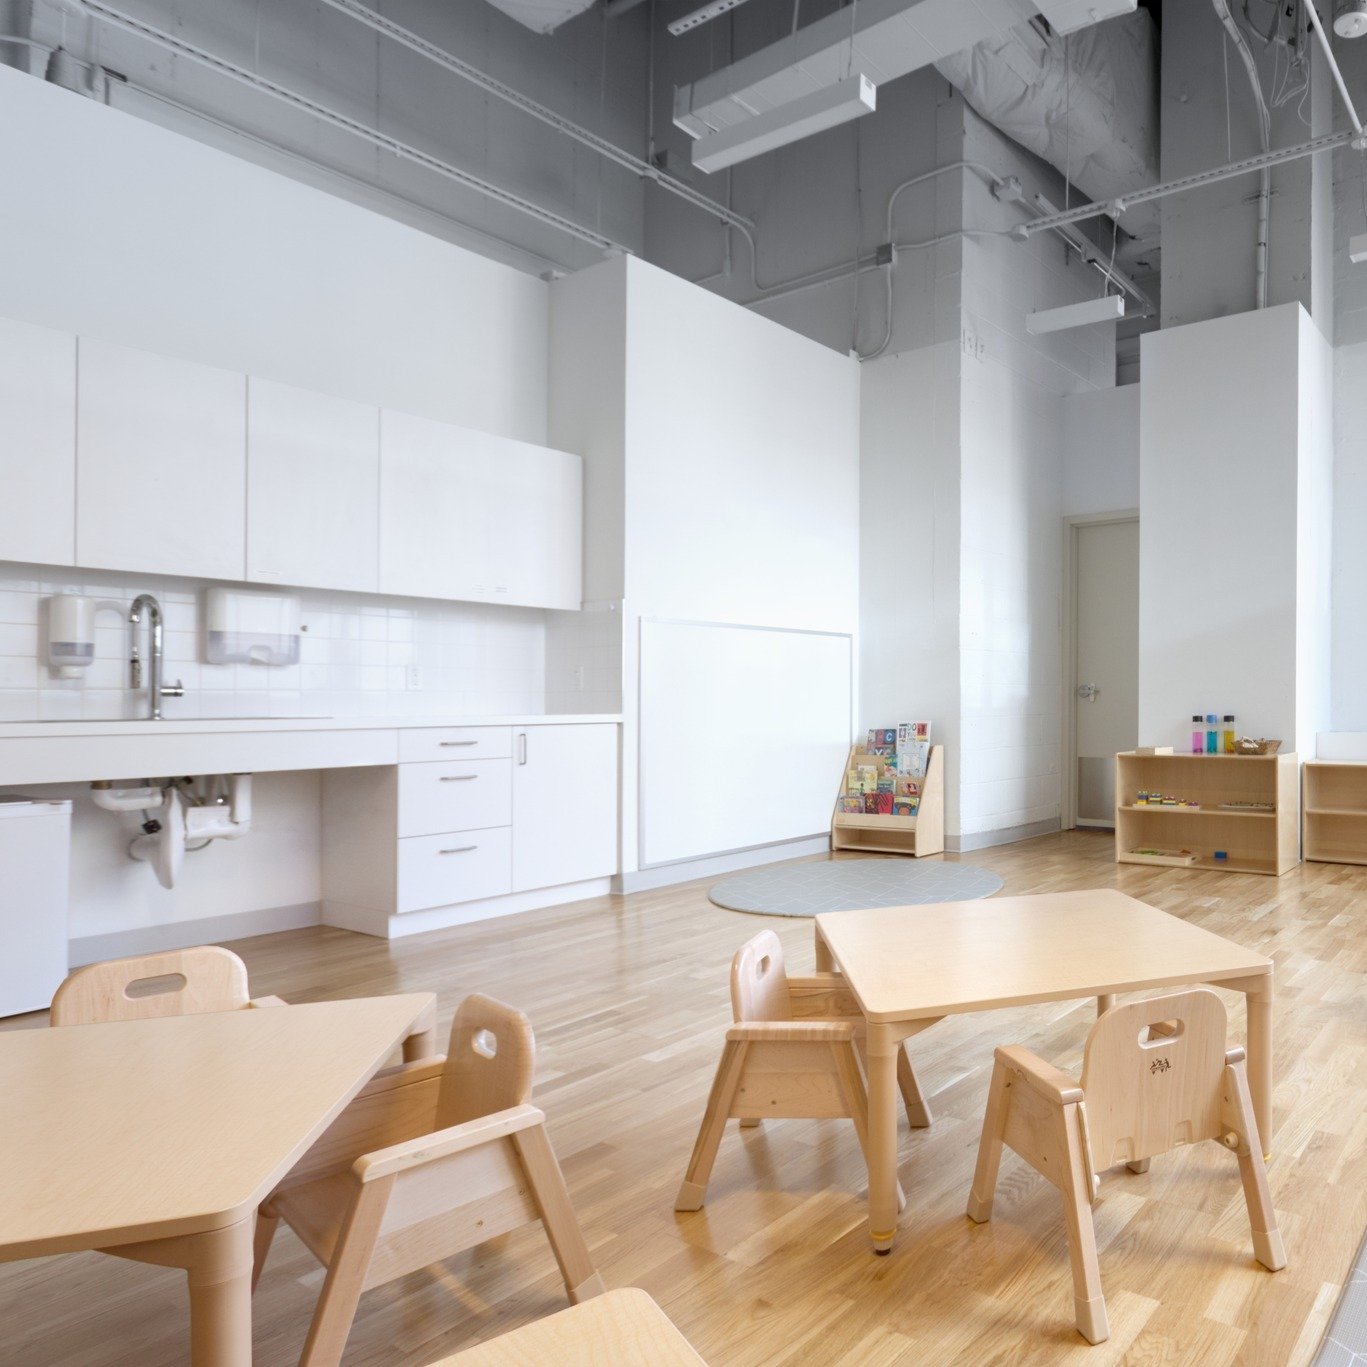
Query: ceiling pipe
[
  {"x": 373, "y": 136},
  {"x": 1312, "y": 14},
  {"x": 414, "y": 42}
]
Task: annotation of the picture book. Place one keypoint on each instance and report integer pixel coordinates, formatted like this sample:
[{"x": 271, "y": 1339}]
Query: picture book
[
  {"x": 909, "y": 731},
  {"x": 908, "y": 787},
  {"x": 883, "y": 736},
  {"x": 871, "y": 804},
  {"x": 852, "y": 802},
  {"x": 914, "y": 758},
  {"x": 886, "y": 783},
  {"x": 883, "y": 803},
  {"x": 904, "y": 806}
]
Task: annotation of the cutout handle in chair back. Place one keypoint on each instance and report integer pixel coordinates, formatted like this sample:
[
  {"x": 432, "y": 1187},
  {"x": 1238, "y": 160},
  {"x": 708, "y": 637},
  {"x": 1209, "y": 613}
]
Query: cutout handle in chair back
[
  {"x": 180, "y": 982},
  {"x": 489, "y": 1062},
  {"x": 1151, "y": 1075},
  {"x": 759, "y": 982}
]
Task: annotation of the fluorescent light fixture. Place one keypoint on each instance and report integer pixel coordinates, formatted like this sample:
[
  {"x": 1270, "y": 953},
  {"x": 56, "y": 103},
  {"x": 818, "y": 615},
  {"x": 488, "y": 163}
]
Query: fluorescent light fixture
[
  {"x": 1109, "y": 308},
  {"x": 800, "y": 118},
  {"x": 1357, "y": 249},
  {"x": 713, "y": 11}
]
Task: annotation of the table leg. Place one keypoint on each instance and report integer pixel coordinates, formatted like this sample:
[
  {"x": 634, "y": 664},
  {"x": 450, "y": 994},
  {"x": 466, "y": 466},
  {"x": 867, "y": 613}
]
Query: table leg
[
  {"x": 1259, "y": 996},
  {"x": 883, "y": 1048},
  {"x": 220, "y": 1275},
  {"x": 421, "y": 1042},
  {"x": 1104, "y": 1003},
  {"x": 825, "y": 963}
]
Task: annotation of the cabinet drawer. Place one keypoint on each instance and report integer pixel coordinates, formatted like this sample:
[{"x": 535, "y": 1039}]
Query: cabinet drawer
[
  {"x": 464, "y": 795},
  {"x": 455, "y": 742},
  {"x": 436, "y": 870}
]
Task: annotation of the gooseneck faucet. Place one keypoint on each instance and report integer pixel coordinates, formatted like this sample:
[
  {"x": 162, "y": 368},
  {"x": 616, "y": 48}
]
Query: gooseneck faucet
[{"x": 145, "y": 605}]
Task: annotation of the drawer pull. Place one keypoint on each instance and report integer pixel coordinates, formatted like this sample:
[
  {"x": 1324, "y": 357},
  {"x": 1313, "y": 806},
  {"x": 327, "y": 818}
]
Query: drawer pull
[
  {"x": 457, "y": 778},
  {"x": 447, "y": 744},
  {"x": 459, "y": 849}
]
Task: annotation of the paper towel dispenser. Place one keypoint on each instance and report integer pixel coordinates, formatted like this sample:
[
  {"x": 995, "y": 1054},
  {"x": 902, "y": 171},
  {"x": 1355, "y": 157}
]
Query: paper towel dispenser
[{"x": 243, "y": 627}]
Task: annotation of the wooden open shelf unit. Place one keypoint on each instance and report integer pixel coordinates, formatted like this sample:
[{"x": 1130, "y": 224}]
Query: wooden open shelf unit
[
  {"x": 1255, "y": 841},
  {"x": 917, "y": 835},
  {"x": 1336, "y": 811}
]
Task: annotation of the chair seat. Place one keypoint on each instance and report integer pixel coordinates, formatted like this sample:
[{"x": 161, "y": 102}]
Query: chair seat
[{"x": 315, "y": 1211}]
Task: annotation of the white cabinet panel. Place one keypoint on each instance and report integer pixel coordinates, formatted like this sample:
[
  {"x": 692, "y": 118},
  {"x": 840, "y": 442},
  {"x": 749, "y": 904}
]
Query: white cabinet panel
[
  {"x": 37, "y": 444},
  {"x": 455, "y": 742},
  {"x": 313, "y": 485},
  {"x": 161, "y": 479},
  {"x": 564, "y": 804},
  {"x": 436, "y": 870},
  {"x": 470, "y": 515}
]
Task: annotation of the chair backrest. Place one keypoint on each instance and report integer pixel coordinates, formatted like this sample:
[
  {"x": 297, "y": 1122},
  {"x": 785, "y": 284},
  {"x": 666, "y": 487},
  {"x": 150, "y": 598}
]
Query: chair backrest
[
  {"x": 489, "y": 1062},
  {"x": 759, "y": 983},
  {"x": 180, "y": 982},
  {"x": 1152, "y": 1075}
]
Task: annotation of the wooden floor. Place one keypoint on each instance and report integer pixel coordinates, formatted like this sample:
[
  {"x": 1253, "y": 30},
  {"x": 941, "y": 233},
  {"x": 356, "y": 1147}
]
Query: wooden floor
[{"x": 629, "y": 999}]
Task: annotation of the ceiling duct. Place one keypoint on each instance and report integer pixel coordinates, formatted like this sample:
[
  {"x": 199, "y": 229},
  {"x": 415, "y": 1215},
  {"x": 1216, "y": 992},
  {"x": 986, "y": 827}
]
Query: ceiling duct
[
  {"x": 1091, "y": 112},
  {"x": 542, "y": 16}
]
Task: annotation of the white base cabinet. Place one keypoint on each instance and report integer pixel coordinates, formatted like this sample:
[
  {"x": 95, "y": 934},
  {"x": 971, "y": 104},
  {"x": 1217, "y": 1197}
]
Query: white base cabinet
[{"x": 469, "y": 814}]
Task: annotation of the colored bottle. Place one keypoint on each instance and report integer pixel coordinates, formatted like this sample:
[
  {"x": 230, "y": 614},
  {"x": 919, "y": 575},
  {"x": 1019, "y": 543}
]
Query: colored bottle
[
  {"x": 1212, "y": 734},
  {"x": 1198, "y": 734},
  {"x": 1227, "y": 734}
]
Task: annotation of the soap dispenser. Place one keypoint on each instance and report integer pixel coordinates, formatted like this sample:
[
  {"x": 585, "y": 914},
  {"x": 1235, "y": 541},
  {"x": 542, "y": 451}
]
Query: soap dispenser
[{"x": 71, "y": 632}]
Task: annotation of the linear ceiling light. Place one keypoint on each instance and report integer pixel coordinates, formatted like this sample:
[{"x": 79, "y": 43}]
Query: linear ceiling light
[
  {"x": 1109, "y": 308},
  {"x": 800, "y": 118},
  {"x": 713, "y": 11},
  {"x": 1357, "y": 248}
]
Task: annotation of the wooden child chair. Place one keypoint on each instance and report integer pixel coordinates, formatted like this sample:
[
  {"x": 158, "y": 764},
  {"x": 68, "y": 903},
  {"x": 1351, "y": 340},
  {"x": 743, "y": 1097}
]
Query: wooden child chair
[
  {"x": 792, "y": 1054},
  {"x": 1155, "y": 1075},
  {"x": 430, "y": 1159}
]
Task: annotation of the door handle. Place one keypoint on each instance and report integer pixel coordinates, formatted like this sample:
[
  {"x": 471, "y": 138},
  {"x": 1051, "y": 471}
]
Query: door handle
[
  {"x": 447, "y": 744},
  {"x": 457, "y": 778},
  {"x": 522, "y": 747},
  {"x": 459, "y": 849},
  {"x": 1087, "y": 692}
]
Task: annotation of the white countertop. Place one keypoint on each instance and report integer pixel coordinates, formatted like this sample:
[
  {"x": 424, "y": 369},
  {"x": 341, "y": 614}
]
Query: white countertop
[{"x": 181, "y": 726}]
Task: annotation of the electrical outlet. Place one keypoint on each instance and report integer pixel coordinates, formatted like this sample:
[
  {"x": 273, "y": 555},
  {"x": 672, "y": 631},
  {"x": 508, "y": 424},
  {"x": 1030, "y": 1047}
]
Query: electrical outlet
[{"x": 412, "y": 677}]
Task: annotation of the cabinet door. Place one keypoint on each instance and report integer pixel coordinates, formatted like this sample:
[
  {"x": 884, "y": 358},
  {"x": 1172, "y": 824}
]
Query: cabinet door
[
  {"x": 37, "y": 444},
  {"x": 434, "y": 509},
  {"x": 564, "y": 804},
  {"x": 540, "y": 553},
  {"x": 161, "y": 486},
  {"x": 313, "y": 486}
]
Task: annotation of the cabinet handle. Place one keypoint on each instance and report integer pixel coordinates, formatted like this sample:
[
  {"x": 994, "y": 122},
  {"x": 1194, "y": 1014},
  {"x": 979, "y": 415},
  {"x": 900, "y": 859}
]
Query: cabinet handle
[
  {"x": 457, "y": 778},
  {"x": 459, "y": 849},
  {"x": 522, "y": 747},
  {"x": 446, "y": 744}
]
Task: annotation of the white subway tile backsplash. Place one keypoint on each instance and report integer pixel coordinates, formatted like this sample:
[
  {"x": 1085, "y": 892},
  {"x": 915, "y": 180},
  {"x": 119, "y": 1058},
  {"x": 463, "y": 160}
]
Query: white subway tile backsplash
[{"x": 355, "y": 654}]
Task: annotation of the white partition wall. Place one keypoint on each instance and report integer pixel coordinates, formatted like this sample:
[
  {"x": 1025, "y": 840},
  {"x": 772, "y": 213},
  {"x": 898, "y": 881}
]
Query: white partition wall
[{"x": 1234, "y": 534}]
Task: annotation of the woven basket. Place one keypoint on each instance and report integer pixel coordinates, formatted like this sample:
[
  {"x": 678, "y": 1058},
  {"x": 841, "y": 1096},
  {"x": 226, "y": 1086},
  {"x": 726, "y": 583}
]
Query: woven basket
[{"x": 1246, "y": 746}]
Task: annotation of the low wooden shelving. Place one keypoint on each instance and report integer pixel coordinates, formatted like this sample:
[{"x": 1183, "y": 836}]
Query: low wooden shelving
[
  {"x": 918, "y": 835},
  {"x": 1262, "y": 837},
  {"x": 1336, "y": 811}
]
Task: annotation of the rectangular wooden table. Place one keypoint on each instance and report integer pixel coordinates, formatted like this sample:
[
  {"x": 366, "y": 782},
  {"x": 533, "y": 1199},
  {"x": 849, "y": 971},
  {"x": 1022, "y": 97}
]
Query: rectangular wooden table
[
  {"x": 912, "y": 966},
  {"x": 157, "y": 1139}
]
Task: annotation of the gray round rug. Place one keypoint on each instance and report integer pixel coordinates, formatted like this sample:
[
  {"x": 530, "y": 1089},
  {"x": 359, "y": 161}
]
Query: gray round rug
[{"x": 851, "y": 884}]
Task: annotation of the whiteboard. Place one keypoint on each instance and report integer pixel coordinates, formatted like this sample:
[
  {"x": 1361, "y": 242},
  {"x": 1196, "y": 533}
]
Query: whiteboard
[{"x": 744, "y": 733}]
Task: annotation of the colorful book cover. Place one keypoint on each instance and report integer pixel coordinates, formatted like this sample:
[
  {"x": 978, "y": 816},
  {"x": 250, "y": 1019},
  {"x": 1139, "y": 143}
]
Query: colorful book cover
[
  {"x": 852, "y": 802},
  {"x": 883, "y": 751},
  {"x": 908, "y": 731},
  {"x": 886, "y": 784},
  {"x": 908, "y": 787},
  {"x": 871, "y": 804},
  {"x": 904, "y": 806},
  {"x": 883, "y": 803},
  {"x": 883, "y": 736},
  {"x": 914, "y": 758}
]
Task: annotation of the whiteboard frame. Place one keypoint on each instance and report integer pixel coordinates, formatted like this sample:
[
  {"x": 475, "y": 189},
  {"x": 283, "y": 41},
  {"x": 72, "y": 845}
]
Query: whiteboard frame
[{"x": 641, "y": 622}]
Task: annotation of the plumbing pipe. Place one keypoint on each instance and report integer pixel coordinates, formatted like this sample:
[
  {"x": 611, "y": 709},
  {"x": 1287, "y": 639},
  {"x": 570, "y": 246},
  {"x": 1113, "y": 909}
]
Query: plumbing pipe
[
  {"x": 112, "y": 799},
  {"x": 402, "y": 150},
  {"x": 1265, "y": 131},
  {"x": 457, "y": 66}
]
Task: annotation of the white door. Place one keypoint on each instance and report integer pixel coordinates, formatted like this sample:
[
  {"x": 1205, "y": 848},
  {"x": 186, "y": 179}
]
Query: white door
[
  {"x": 434, "y": 509},
  {"x": 313, "y": 488},
  {"x": 37, "y": 444},
  {"x": 161, "y": 486},
  {"x": 1106, "y": 654},
  {"x": 564, "y": 804}
]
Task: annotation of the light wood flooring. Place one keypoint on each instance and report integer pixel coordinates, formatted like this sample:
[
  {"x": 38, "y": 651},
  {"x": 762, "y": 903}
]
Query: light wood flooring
[{"x": 629, "y": 1000}]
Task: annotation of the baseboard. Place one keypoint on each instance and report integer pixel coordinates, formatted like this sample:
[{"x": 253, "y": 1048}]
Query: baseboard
[
  {"x": 207, "y": 930},
  {"x": 369, "y": 921},
  {"x": 665, "y": 875},
  {"x": 982, "y": 840}
]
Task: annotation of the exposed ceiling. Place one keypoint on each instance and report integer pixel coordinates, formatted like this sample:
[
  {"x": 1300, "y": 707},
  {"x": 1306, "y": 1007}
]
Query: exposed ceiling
[{"x": 542, "y": 16}]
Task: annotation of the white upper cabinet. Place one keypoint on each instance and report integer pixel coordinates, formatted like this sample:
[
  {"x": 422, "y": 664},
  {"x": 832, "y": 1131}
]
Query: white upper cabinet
[
  {"x": 37, "y": 444},
  {"x": 313, "y": 484},
  {"x": 161, "y": 485},
  {"x": 564, "y": 804},
  {"x": 470, "y": 515}
]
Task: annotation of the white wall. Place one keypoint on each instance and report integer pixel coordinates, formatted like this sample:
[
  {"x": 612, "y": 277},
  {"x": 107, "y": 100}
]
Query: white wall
[
  {"x": 1349, "y": 584},
  {"x": 153, "y": 240},
  {"x": 1100, "y": 436},
  {"x": 1232, "y": 457}
]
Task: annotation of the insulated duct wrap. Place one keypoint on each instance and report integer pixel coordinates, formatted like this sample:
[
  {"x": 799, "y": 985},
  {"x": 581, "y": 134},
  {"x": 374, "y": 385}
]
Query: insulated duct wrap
[{"x": 1091, "y": 112}]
